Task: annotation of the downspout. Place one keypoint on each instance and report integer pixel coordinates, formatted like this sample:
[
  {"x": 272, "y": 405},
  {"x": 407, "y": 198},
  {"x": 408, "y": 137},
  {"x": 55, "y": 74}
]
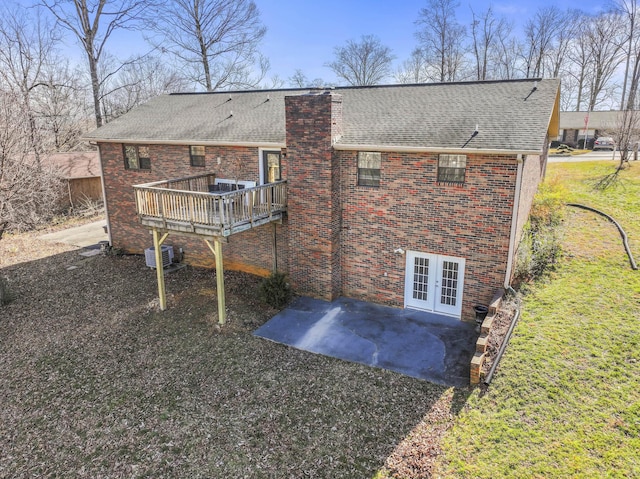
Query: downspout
[
  {"x": 514, "y": 223},
  {"x": 507, "y": 279},
  {"x": 104, "y": 196}
]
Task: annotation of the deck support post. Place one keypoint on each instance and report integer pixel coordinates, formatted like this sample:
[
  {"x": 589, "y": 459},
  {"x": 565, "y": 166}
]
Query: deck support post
[
  {"x": 157, "y": 245},
  {"x": 216, "y": 248}
]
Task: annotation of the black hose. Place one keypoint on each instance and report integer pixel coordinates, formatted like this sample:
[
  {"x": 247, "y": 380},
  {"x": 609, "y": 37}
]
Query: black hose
[
  {"x": 503, "y": 346},
  {"x": 625, "y": 241}
]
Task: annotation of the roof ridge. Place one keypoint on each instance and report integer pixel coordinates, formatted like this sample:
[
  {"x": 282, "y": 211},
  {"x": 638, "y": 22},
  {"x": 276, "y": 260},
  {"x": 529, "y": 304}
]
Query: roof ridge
[{"x": 364, "y": 87}]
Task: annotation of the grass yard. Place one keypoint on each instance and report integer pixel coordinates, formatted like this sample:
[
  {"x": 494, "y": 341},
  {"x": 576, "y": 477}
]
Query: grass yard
[{"x": 565, "y": 401}]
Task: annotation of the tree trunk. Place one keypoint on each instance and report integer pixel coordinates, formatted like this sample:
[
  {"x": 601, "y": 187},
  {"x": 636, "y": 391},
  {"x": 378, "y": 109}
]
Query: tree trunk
[{"x": 95, "y": 87}]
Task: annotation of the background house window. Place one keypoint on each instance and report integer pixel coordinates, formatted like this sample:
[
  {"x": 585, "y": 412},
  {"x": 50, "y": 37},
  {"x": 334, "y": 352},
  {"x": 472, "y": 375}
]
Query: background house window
[
  {"x": 136, "y": 157},
  {"x": 197, "y": 155},
  {"x": 369, "y": 163},
  {"x": 451, "y": 168}
]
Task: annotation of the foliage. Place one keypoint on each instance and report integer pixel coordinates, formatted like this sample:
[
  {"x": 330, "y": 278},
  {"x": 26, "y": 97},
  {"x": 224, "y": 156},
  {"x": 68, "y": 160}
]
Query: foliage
[
  {"x": 275, "y": 290},
  {"x": 564, "y": 401},
  {"x": 540, "y": 248}
]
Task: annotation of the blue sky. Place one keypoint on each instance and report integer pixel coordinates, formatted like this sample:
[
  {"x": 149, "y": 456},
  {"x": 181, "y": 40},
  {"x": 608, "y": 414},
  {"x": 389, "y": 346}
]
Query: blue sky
[{"x": 303, "y": 33}]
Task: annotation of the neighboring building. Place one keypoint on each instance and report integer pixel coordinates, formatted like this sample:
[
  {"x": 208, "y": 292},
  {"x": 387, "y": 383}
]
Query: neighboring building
[
  {"x": 407, "y": 195},
  {"x": 576, "y": 125},
  {"x": 80, "y": 171}
]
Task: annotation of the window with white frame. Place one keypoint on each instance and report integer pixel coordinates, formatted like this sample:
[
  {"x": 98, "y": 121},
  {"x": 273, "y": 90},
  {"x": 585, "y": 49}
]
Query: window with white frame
[
  {"x": 369, "y": 164},
  {"x": 136, "y": 157},
  {"x": 452, "y": 168}
]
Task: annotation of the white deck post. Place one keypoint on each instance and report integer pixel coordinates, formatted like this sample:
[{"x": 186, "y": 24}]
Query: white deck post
[
  {"x": 216, "y": 248},
  {"x": 157, "y": 245}
]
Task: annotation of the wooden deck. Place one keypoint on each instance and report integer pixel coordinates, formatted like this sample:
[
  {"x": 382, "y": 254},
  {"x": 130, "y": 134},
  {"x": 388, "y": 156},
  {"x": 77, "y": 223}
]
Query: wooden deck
[{"x": 186, "y": 205}]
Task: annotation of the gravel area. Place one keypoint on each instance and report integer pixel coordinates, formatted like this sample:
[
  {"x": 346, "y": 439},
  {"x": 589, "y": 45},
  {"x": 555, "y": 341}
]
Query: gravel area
[{"x": 98, "y": 383}]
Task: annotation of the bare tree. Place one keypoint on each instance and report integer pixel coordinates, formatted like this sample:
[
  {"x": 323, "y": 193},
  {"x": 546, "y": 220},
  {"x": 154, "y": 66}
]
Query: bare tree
[
  {"x": 27, "y": 46},
  {"x": 441, "y": 37},
  {"x": 567, "y": 31},
  {"x": 487, "y": 33},
  {"x": 570, "y": 89},
  {"x": 29, "y": 192},
  {"x": 62, "y": 108},
  {"x": 275, "y": 82},
  {"x": 625, "y": 135},
  {"x": 135, "y": 83},
  {"x": 366, "y": 62},
  {"x": 504, "y": 58},
  {"x": 415, "y": 69},
  {"x": 215, "y": 40},
  {"x": 93, "y": 22},
  {"x": 300, "y": 80},
  {"x": 540, "y": 34},
  {"x": 629, "y": 11},
  {"x": 578, "y": 60},
  {"x": 604, "y": 38}
]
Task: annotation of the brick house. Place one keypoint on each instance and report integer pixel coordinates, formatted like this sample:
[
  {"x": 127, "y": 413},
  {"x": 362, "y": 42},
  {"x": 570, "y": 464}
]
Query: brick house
[{"x": 406, "y": 195}]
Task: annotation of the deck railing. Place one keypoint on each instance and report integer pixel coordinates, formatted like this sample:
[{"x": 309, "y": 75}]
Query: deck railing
[{"x": 185, "y": 204}]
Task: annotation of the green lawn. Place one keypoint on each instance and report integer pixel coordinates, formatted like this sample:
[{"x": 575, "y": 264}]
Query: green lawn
[{"x": 565, "y": 401}]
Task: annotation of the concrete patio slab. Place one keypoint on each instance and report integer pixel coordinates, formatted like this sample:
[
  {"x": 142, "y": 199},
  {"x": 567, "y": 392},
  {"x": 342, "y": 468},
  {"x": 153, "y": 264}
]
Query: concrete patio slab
[
  {"x": 81, "y": 236},
  {"x": 419, "y": 344}
]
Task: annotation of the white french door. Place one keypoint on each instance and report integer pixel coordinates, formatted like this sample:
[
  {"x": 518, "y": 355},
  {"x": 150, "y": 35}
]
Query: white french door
[{"x": 434, "y": 283}]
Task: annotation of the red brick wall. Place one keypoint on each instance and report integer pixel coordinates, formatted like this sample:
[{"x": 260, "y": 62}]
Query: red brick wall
[
  {"x": 533, "y": 170},
  {"x": 248, "y": 251},
  {"x": 313, "y": 175},
  {"x": 339, "y": 237},
  {"x": 412, "y": 211}
]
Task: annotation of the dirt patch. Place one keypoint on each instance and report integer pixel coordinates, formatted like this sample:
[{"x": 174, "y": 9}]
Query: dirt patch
[{"x": 97, "y": 382}]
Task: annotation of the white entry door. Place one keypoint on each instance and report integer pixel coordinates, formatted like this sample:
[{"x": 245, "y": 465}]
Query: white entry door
[{"x": 434, "y": 283}]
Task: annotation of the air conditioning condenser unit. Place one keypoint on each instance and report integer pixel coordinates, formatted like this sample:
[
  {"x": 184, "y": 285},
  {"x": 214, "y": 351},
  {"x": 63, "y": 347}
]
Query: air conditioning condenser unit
[{"x": 167, "y": 256}]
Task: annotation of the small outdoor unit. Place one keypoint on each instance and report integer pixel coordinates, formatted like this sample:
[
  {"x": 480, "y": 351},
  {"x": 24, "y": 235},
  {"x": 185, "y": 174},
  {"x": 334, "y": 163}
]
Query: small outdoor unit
[{"x": 167, "y": 256}]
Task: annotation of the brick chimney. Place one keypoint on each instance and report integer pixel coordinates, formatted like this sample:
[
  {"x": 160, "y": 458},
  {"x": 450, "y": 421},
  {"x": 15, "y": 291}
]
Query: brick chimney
[{"x": 313, "y": 124}]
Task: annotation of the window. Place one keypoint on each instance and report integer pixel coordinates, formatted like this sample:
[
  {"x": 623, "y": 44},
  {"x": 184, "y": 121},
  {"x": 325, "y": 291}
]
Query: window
[
  {"x": 136, "y": 157},
  {"x": 197, "y": 155},
  {"x": 451, "y": 168},
  {"x": 369, "y": 163}
]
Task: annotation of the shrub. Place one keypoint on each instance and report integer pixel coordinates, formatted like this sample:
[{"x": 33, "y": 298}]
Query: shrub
[
  {"x": 275, "y": 290},
  {"x": 540, "y": 248}
]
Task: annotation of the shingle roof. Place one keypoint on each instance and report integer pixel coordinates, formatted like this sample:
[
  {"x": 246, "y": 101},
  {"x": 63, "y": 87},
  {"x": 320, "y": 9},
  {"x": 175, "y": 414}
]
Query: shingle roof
[
  {"x": 75, "y": 164},
  {"x": 598, "y": 120},
  {"x": 511, "y": 116}
]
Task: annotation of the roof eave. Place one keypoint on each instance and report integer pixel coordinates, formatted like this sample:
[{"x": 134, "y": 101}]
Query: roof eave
[
  {"x": 256, "y": 144},
  {"x": 430, "y": 149}
]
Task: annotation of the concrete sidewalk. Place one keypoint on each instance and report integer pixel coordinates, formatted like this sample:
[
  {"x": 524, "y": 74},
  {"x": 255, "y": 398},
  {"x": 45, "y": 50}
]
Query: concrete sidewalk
[
  {"x": 81, "y": 236},
  {"x": 419, "y": 344}
]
